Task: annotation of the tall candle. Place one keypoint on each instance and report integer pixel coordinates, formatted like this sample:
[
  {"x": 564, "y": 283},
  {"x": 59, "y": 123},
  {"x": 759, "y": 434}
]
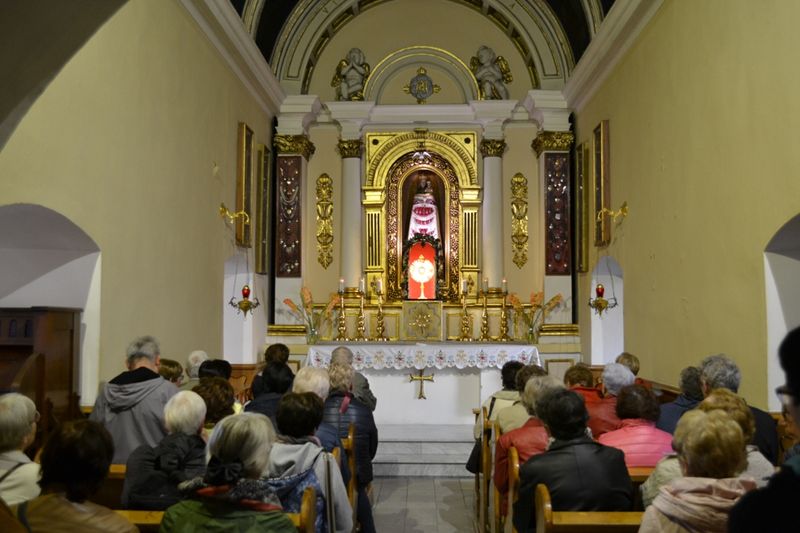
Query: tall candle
[
  {"x": 379, "y": 286},
  {"x": 464, "y": 286},
  {"x": 361, "y": 284},
  {"x": 505, "y": 285},
  {"x": 341, "y": 284},
  {"x": 485, "y": 284}
]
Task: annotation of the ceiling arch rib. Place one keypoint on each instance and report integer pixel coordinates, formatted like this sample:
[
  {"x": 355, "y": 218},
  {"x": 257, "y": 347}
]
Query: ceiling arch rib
[{"x": 530, "y": 25}]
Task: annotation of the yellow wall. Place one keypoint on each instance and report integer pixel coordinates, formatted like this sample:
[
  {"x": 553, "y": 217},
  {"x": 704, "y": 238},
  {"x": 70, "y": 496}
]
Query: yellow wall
[
  {"x": 704, "y": 129},
  {"x": 122, "y": 143}
]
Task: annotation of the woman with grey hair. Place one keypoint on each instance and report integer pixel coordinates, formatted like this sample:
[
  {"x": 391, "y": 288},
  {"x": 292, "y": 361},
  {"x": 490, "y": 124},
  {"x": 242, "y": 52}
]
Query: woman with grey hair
[
  {"x": 154, "y": 472},
  {"x": 603, "y": 414},
  {"x": 360, "y": 386},
  {"x": 231, "y": 496},
  {"x": 18, "y": 474}
]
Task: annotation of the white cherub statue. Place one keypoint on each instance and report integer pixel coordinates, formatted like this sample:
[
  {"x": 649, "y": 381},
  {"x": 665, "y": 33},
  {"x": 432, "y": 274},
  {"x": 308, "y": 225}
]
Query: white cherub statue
[
  {"x": 492, "y": 73},
  {"x": 351, "y": 73}
]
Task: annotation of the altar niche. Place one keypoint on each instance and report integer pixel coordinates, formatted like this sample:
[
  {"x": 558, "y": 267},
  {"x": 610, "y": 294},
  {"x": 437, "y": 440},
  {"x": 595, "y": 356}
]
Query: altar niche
[{"x": 423, "y": 260}]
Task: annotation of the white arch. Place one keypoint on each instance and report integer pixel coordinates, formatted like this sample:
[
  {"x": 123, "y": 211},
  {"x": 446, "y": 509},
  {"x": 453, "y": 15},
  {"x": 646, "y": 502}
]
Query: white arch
[
  {"x": 782, "y": 291},
  {"x": 608, "y": 329},
  {"x": 49, "y": 261}
]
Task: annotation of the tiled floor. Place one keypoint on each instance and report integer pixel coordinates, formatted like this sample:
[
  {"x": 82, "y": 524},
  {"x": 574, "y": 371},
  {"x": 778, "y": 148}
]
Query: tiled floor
[{"x": 423, "y": 505}]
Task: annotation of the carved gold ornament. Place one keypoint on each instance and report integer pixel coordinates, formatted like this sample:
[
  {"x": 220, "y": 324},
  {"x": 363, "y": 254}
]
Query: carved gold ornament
[
  {"x": 493, "y": 147},
  {"x": 294, "y": 144},
  {"x": 519, "y": 219},
  {"x": 324, "y": 220},
  {"x": 552, "y": 141},
  {"x": 350, "y": 147}
]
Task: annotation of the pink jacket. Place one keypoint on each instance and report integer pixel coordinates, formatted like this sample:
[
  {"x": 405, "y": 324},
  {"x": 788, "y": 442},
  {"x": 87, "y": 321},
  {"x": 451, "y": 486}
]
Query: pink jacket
[{"x": 643, "y": 444}]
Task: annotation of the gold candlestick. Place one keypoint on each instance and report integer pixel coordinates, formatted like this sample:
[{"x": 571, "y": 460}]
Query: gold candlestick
[
  {"x": 380, "y": 327},
  {"x": 504, "y": 337},
  {"x": 466, "y": 321},
  {"x": 342, "y": 321},
  {"x": 361, "y": 327},
  {"x": 484, "y": 320}
]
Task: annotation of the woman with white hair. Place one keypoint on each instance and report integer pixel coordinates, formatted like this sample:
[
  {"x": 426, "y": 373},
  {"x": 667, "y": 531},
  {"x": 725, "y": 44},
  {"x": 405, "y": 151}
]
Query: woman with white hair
[
  {"x": 154, "y": 472},
  {"x": 231, "y": 497},
  {"x": 603, "y": 414},
  {"x": 18, "y": 474}
]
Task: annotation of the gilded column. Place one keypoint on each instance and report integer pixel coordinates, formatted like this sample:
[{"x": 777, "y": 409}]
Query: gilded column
[
  {"x": 352, "y": 268},
  {"x": 553, "y": 148},
  {"x": 493, "y": 267},
  {"x": 292, "y": 151}
]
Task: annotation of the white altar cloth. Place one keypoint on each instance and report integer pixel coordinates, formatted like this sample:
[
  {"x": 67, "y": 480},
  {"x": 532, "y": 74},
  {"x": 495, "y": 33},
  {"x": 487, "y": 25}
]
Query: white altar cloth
[{"x": 438, "y": 355}]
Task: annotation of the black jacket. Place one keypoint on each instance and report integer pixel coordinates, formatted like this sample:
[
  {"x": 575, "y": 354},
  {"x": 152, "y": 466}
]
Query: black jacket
[
  {"x": 766, "y": 435},
  {"x": 153, "y": 473},
  {"x": 366, "y": 432},
  {"x": 771, "y": 508},
  {"x": 581, "y": 475},
  {"x": 267, "y": 404}
]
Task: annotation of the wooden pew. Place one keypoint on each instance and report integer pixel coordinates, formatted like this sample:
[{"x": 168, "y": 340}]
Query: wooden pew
[
  {"x": 549, "y": 521},
  {"x": 110, "y": 493},
  {"x": 349, "y": 445},
  {"x": 497, "y": 498},
  {"x": 144, "y": 520},
  {"x": 484, "y": 475}
]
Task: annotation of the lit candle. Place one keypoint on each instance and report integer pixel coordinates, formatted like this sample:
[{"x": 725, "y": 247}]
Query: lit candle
[
  {"x": 341, "y": 285},
  {"x": 464, "y": 286},
  {"x": 361, "y": 285},
  {"x": 485, "y": 284},
  {"x": 379, "y": 286},
  {"x": 505, "y": 285}
]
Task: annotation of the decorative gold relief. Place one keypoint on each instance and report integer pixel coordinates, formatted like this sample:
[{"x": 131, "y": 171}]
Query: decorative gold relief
[
  {"x": 350, "y": 147},
  {"x": 519, "y": 219},
  {"x": 493, "y": 147},
  {"x": 324, "y": 220},
  {"x": 294, "y": 144},
  {"x": 552, "y": 141}
]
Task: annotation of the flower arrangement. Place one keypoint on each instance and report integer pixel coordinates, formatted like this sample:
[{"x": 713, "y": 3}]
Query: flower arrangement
[
  {"x": 313, "y": 320},
  {"x": 534, "y": 316}
]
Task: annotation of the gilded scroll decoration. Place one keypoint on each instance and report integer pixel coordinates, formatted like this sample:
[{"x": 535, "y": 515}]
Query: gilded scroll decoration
[
  {"x": 324, "y": 220},
  {"x": 552, "y": 141},
  {"x": 519, "y": 219},
  {"x": 287, "y": 256},
  {"x": 493, "y": 147},
  {"x": 557, "y": 216},
  {"x": 294, "y": 144},
  {"x": 350, "y": 148}
]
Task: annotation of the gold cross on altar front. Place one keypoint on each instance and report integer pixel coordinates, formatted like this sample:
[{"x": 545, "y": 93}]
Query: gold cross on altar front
[{"x": 422, "y": 379}]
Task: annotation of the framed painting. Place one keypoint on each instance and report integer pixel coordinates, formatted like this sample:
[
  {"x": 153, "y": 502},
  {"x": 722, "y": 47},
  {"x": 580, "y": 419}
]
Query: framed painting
[
  {"x": 263, "y": 209},
  {"x": 244, "y": 184},
  {"x": 602, "y": 191},
  {"x": 582, "y": 188}
]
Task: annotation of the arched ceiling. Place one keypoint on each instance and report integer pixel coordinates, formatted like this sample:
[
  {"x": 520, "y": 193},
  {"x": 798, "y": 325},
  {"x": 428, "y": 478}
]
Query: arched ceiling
[{"x": 567, "y": 26}]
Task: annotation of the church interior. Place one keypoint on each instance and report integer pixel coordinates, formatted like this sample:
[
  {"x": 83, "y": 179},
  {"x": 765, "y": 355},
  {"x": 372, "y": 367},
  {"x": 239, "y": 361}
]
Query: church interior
[{"x": 441, "y": 185}]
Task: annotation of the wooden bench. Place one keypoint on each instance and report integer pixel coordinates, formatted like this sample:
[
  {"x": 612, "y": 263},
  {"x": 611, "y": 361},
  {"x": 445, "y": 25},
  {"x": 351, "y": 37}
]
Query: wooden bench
[
  {"x": 110, "y": 493},
  {"x": 549, "y": 521},
  {"x": 349, "y": 445}
]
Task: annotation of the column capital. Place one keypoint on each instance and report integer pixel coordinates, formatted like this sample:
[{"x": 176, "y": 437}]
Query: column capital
[
  {"x": 493, "y": 147},
  {"x": 350, "y": 148},
  {"x": 294, "y": 144},
  {"x": 351, "y": 116},
  {"x": 548, "y": 108},
  {"x": 297, "y": 113},
  {"x": 552, "y": 141}
]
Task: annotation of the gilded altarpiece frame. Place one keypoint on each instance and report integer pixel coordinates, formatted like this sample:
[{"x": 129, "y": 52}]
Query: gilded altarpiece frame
[
  {"x": 263, "y": 209},
  {"x": 582, "y": 191},
  {"x": 391, "y": 159},
  {"x": 244, "y": 184},
  {"x": 602, "y": 190}
]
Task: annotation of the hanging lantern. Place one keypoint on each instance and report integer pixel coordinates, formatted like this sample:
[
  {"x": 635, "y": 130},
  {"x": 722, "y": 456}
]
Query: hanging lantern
[
  {"x": 600, "y": 304},
  {"x": 245, "y": 304}
]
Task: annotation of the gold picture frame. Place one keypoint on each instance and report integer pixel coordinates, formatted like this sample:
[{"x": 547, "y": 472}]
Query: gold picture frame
[
  {"x": 244, "y": 183},
  {"x": 602, "y": 191},
  {"x": 263, "y": 210},
  {"x": 582, "y": 188}
]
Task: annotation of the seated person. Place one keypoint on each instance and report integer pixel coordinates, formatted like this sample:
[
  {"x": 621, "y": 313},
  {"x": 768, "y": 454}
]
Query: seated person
[
  {"x": 193, "y": 363},
  {"x": 276, "y": 381},
  {"x": 756, "y": 466},
  {"x": 171, "y": 370},
  {"x": 710, "y": 448},
  {"x": 638, "y": 438},
  {"x": 231, "y": 496},
  {"x": 530, "y": 439},
  {"x": 153, "y": 473},
  {"x": 579, "y": 378},
  {"x": 297, "y": 460},
  {"x": 502, "y": 398},
  {"x": 342, "y": 409},
  {"x": 75, "y": 463},
  {"x": 603, "y": 414},
  {"x": 217, "y": 393},
  {"x": 632, "y": 362},
  {"x": 19, "y": 475},
  {"x": 131, "y": 406},
  {"x": 275, "y": 353},
  {"x": 691, "y": 395},
  {"x": 515, "y": 415},
  {"x": 581, "y": 474},
  {"x": 361, "y": 390}
]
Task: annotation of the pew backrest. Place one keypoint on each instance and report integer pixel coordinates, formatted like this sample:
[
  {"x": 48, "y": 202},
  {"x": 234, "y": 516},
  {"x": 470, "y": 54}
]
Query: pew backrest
[{"x": 549, "y": 521}]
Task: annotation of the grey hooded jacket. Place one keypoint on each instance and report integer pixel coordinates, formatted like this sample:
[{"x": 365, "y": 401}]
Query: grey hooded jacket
[{"x": 131, "y": 407}]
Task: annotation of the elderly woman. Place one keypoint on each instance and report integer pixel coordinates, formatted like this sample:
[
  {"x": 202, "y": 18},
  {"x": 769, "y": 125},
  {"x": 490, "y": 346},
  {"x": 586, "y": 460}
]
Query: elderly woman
[
  {"x": 638, "y": 438},
  {"x": 231, "y": 496},
  {"x": 75, "y": 463},
  {"x": 711, "y": 451},
  {"x": 276, "y": 381},
  {"x": 153, "y": 473},
  {"x": 756, "y": 466},
  {"x": 217, "y": 393},
  {"x": 515, "y": 416},
  {"x": 603, "y": 414},
  {"x": 18, "y": 474},
  {"x": 341, "y": 410},
  {"x": 530, "y": 439},
  {"x": 275, "y": 353},
  {"x": 193, "y": 363}
]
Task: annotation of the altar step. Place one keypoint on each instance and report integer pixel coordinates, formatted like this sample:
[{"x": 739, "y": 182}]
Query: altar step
[{"x": 423, "y": 450}]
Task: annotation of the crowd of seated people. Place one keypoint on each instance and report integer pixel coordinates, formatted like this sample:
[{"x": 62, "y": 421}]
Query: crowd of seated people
[
  {"x": 19, "y": 475},
  {"x": 517, "y": 414}
]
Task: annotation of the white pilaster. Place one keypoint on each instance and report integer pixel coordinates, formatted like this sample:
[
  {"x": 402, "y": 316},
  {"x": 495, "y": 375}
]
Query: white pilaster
[{"x": 492, "y": 220}]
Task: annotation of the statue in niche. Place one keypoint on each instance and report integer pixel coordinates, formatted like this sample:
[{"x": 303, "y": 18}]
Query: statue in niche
[
  {"x": 423, "y": 213},
  {"x": 351, "y": 74},
  {"x": 492, "y": 73}
]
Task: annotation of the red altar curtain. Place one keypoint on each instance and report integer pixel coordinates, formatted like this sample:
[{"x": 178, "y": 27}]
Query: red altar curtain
[{"x": 422, "y": 272}]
